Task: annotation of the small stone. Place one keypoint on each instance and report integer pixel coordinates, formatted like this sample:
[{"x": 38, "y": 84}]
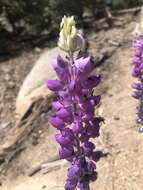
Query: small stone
[
  {"x": 35, "y": 139},
  {"x": 6, "y": 145},
  {"x": 116, "y": 118},
  {"x": 35, "y": 142},
  {"x": 136, "y": 174},
  {"x": 11, "y": 85},
  {"x": 40, "y": 132},
  {"x": 4, "y": 125},
  {"x": 43, "y": 115},
  {"x": 114, "y": 43},
  {"x": 100, "y": 111},
  {"x": 6, "y": 69},
  {"x": 44, "y": 187},
  {"x": 37, "y": 50},
  {"x": 110, "y": 95},
  {"x": 7, "y": 77}
]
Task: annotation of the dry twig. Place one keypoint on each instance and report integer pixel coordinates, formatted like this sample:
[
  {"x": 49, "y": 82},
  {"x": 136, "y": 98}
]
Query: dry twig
[{"x": 39, "y": 167}]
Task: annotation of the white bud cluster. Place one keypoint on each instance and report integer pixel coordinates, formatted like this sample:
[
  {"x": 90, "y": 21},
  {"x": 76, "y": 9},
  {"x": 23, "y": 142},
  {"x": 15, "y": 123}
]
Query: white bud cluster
[{"x": 68, "y": 38}]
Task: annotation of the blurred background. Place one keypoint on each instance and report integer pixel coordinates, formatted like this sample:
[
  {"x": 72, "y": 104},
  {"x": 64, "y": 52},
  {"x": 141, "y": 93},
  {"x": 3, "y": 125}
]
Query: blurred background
[
  {"x": 28, "y": 33},
  {"x": 34, "y": 21}
]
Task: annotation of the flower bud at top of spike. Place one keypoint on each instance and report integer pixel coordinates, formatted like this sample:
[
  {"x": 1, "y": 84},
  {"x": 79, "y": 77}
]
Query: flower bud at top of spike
[{"x": 69, "y": 37}]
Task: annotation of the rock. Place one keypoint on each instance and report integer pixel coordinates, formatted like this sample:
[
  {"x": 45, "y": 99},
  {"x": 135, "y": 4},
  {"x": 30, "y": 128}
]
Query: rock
[
  {"x": 4, "y": 125},
  {"x": 37, "y": 50},
  {"x": 7, "y": 77},
  {"x": 44, "y": 187},
  {"x": 11, "y": 85},
  {"x": 116, "y": 118},
  {"x": 34, "y": 86}
]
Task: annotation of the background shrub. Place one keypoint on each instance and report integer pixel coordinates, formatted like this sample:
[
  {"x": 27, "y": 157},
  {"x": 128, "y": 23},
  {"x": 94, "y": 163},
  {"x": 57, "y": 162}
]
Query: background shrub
[{"x": 38, "y": 17}]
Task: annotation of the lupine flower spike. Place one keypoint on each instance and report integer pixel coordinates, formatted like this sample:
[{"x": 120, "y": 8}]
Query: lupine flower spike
[
  {"x": 138, "y": 72},
  {"x": 74, "y": 108}
]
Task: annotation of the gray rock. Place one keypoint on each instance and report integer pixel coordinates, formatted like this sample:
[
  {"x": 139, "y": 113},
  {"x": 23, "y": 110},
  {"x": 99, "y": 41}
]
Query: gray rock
[{"x": 34, "y": 86}]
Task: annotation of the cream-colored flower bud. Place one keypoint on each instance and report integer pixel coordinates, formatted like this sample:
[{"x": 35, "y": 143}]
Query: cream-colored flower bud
[
  {"x": 62, "y": 39},
  {"x": 63, "y": 22},
  {"x": 69, "y": 42},
  {"x": 70, "y": 24},
  {"x": 68, "y": 37},
  {"x": 73, "y": 32}
]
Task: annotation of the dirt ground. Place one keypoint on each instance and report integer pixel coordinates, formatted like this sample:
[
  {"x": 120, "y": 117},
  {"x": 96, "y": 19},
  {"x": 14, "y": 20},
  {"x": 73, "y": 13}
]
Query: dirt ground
[{"x": 122, "y": 169}]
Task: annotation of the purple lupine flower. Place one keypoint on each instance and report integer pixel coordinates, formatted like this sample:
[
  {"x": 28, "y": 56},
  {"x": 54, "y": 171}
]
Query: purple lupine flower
[
  {"x": 74, "y": 110},
  {"x": 138, "y": 74}
]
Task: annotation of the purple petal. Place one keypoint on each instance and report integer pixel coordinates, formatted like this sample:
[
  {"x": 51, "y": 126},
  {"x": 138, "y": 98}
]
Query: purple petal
[
  {"x": 93, "y": 176},
  {"x": 90, "y": 167},
  {"x": 57, "y": 122},
  {"x": 63, "y": 141},
  {"x": 74, "y": 172},
  {"x": 88, "y": 148},
  {"x": 66, "y": 97},
  {"x": 68, "y": 132},
  {"x": 92, "y": 81},
  {"x": 84, "y": 185},
  {"x": 65, "y": 152},
  {"x": 72, "y": 85},
  {"x": 65, "y": 138},
  {"x": 95, "y": 100},
  {"x": 65, "y": 114},
  {"x": 89, "y": 145},
  {"x": 87, "y": 107},
  {"x": 93, "y": 129},
  {"x": 59, "y": 66},
  {"x": 56, "y": 105},
  {"x": 54, "y": 85},
  {"x": 137, "y": 60},
  {"x": 70, "y": 185},
  {"x": 137, "y": 86},
  {"x": 80, "y": 41},
  {"x": 84, "y": 65},
  {"x": 136, "y": 95},
  {"x": 77, "y": 127}
]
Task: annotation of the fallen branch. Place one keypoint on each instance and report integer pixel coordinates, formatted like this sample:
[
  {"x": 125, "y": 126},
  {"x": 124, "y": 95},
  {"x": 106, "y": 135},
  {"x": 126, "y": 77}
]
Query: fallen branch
[
  {"x": 39, "y": 167},
  {"x": 109, "y": 17},
  {"x": 114, "y": 43},
  {"x": 125, "y": 11},
  {"x": 48, "y": 167}
]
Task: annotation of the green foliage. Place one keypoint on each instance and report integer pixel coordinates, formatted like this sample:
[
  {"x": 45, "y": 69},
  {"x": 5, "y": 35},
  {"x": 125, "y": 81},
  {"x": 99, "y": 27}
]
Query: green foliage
[
  {"x": 34, "y": 17},
  {"x": 37, "y": 16},
  {"x": 122, "y": 4}
]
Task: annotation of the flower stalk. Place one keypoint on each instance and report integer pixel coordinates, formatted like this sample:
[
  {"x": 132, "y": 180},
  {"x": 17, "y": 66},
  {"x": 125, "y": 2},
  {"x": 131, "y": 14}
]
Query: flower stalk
[
  {"x": 74, "y": 109},
  {"x": 138, "y": 72}
]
